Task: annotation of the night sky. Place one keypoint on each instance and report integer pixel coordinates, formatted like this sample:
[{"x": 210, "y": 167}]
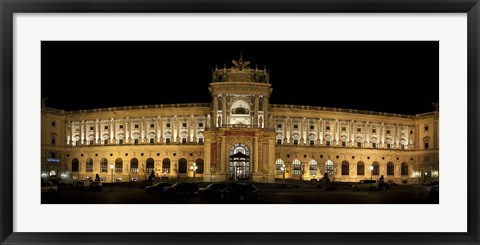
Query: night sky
[{"x": 396, "y": 77}]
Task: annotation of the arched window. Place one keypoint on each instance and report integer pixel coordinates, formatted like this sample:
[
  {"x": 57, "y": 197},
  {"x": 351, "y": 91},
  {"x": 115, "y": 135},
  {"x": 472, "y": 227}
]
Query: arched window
[
  {"x": 390, "y": 168},
  {"x": 104, "y": 165},
  {"x": 404, "y": 169},
  {"x": 166, "y": 165},
  {"x": 75, "y": 165},
  {"x": 150, "y": 165},
  {"x": 118, "y": 165},
  {"x": 199, "y": 164},
  {"x": 376, "y": 168},
  {"x": 360, "y": 168},
  {"x": 296, "y": 167},
  {"x": 345, "y": 168},
  {"x": 182, "y": 166},
  {"x": 134, "y": 165},
  {"x": 278, "y": 166},
  {"x": 89, "y": 165},
  {"x": 329, "y": 167},
  {"x": 312, "y": 167}
]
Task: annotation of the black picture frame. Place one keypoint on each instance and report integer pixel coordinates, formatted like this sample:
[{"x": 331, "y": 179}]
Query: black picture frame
[{"x": 8, "y": 8}]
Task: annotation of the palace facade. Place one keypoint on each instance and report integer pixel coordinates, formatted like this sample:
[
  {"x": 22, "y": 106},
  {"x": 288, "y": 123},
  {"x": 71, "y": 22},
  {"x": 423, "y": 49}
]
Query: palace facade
[{"x": 238, "y": 136}]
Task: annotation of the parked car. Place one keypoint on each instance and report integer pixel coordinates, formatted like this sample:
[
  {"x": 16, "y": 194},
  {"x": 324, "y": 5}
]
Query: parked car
[
  {"x": 48, "y": 187},
  {"x": 391, "y": 183},
  {"x": 80, "y": 185},
  {"x": 365, "y": 185},
  {"x": 212, "y": 190},
  {"x": 240, "y": 191},
  {"x": 181, "y": 188},
  {"x": 157, "y": 188},
  {"x": 95, "y": 186}
]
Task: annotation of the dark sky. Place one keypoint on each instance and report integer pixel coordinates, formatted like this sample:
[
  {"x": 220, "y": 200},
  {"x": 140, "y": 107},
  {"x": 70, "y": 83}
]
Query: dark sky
[{"x": 396, "y": 77}]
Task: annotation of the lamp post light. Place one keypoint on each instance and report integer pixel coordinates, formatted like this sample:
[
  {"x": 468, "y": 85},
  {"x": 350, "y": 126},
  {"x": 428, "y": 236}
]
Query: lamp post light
[
  {"x": 371, "y": 174},
  {"x": 112, "y": 167}
]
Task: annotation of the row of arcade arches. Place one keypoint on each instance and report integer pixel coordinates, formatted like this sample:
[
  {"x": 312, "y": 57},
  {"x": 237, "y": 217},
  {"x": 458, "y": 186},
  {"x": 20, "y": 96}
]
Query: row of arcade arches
[
  {"x": 296, "y": 167},
  {"x": 135, "y": 167}
]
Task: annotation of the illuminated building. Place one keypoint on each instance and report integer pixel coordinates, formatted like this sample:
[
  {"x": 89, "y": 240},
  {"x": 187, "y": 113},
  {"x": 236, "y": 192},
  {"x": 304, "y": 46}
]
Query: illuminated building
[{"x": 239, "y": 136}]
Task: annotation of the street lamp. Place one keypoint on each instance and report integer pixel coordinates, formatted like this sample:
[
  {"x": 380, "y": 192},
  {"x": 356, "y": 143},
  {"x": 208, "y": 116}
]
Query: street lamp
[
  {"x": 283, "y": 171},
  {"x": 112, "y": 167},
  {"x": 194, "y": 169},
  {"x": 371, "y": 173}
]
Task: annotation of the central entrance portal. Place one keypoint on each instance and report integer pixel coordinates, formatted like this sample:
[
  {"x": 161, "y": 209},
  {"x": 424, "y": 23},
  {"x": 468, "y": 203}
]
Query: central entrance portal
[{"x": 239, "y": 162}]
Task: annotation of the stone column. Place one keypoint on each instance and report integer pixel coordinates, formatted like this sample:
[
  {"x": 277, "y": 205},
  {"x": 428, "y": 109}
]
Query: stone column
[
  {"x": 111, "y": 131},
  {"x": 215, "y": 110},
  {"x": 302, "y": 127},
  {"x": 255, "y": 117},
  {"x": 160, "y": 130},
  {"x": 67, "y": 132},
  {"x": 353, "y": 133},
  {"x": 224, "y": 110},
  {"x": 307, "y": 133},
  {"x": 291, "y": 127},
  {"x": 223, "y": 161},
  {"x": 82, "y": 132},
  {"x": 266, "y": 117},
  {"x": 115, "y": 128},
  {"x": 284, "y": 130},
  {"x": 195, "y": 124},
  {"x": 255, "y": 154},
  {"x": 143, "y": 128}
]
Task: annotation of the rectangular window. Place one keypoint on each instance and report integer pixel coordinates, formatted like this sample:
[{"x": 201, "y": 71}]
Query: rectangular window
[
  {"x": 389, "y": 146},
  {"x": 53, "y": 124},
  {"x": 152, "y": 141},
  {"x": 327, "y": 143},
  {"x": 359, "y": 130},
  {"x": 184, "y": 141},
  {"x": 200, "y": 125},
  {"x": 167, "y": 125},
  {"x": 359, "y": 144},
  {"x": 312, "y": 127},
  {"x": 105, "y": 142},
  {"x": 426, "y": 128},
  {"x": 135, "y": 141},
  {"x": 279, "y": 142},
  {"x": 103, "y": 167},
  {"x": 404, "y": 147},
  {"x": 327, "y": 128},
  {"x": 167, "y": 140},
  {"x": 295, "y": 142},
  {"x": 53, "y": 154},
  {"x": 200, "y": 140},
  {"x": 374, "y": 131},
  {"x": 426, "y": 145},
  {"x": 152, "y": 125},
  {"x": 106, "y": 127},
  {"x": 312, "y": 142},
  {"x": 184, "y": 125},
  {"x": 374, "y": 145},
  {"x": 411, "y": 132},
  {"x": 120, "y": 126},
  {"x": 279, "y": 125},
  {"x": 136, "y": 125},
  {"x": 388, "y": 131},
  {"x": 344, "y": 144},
  {"x": 53, "y": 141},
  {"x": 120, "y": 142},
  {"x": 91, "y": 128},
  {"x": 295, "y": 126},
  {"x": 344, "y": 129}
]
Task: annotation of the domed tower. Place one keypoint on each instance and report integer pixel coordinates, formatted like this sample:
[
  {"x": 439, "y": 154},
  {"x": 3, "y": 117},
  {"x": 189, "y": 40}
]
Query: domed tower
[
  {"x": 240, "y": 96},
  {"x": 239, "y": 140}
]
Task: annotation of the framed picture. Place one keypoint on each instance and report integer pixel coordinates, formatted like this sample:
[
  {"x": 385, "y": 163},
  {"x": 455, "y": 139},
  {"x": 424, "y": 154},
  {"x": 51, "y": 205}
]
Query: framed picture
[{"x": 105, "y": 102}]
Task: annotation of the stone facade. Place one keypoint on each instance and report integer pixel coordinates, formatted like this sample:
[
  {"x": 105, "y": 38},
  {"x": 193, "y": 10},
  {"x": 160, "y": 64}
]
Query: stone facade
[{"x": 239, "y": 136}]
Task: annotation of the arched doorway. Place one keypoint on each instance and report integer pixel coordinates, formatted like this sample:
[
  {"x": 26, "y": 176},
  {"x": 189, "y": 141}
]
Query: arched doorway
[{"x": 239, "y": 162}]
